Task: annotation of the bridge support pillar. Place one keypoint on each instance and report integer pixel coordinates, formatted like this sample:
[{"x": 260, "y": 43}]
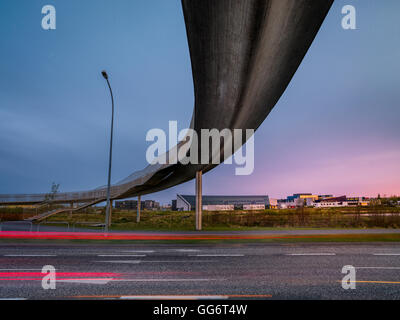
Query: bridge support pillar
[
  {"x": 138, "y": 210},
  {"x": 199, "y": 202},
  {"x": 110, "y": 215},
  {"x": 71, "y": 205}
]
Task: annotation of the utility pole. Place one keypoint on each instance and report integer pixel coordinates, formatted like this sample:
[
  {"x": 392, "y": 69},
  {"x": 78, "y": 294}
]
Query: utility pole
[{"x": 108, "y": 207}]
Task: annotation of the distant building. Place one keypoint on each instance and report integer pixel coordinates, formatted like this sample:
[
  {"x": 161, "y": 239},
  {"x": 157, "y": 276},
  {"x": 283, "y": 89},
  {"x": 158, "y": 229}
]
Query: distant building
[
  {"x": 151, "y": 205},
  {"x": 173, "y": 205},
  {"x": 301, "y": 196},
  {"x": 216, "y": 203},
  {"x": 132, "y": 205},
  {"x": 127, "y": 205},
  {"x": 341, "y": 201},
  {"x": 297, "y": 200},
  {"x": 273, "y": 203},
  {"x": 166, "y": 207},
  {"x": 254, "y": 207},
  {"x": 218, "y": 207},
  {"x": 325, "y": 196}
]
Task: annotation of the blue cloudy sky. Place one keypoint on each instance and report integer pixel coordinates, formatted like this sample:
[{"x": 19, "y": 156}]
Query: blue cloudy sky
[{"x": 335, "y": 130}]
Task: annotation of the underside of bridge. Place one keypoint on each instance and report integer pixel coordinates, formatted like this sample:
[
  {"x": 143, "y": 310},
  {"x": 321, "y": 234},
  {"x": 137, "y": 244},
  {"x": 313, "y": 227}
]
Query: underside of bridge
[{"x": 243, "y": 55}]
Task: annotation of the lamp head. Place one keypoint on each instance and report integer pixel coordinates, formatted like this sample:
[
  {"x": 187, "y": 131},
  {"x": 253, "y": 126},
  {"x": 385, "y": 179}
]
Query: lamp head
[{"x": 105, "y": 75}]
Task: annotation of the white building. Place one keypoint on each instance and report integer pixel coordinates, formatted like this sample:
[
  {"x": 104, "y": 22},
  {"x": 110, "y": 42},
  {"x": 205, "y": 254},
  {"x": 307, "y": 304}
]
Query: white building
[
  {"x": 218, "y": 207},
  {"x": 215, "y": 203},
  {"x": 254, "y": 207},
  {"x": 331, "y": 204}
]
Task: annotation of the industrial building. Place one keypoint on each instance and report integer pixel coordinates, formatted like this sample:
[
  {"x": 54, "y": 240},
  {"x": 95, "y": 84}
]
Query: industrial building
[
  {"x": 297, "y": 200},
  {"x": 222, "y": 203},
  {"x": 341, "y": 201}
]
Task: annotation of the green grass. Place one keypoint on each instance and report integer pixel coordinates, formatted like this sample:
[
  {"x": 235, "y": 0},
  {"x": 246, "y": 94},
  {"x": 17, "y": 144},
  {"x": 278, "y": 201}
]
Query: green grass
[
  {"x": 348, "y": 218},
  {"x": 287, "y": 219}
]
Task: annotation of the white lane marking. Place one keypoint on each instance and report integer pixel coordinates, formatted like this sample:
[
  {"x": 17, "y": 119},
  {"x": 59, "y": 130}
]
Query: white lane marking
[
  {"x": 311, "y": 254},
  {"x": 121, "y": 255},
  {"x": 7, "y": 299},
  {"x": 179, "y": 261},
  {"x": 154, "y": 261},
  {"x": 20, "y": 269},
  {"x": 139, "y": 251},
  {"x": 87, "y": 281},
  {"x": 164, "y": 280},
  {"x": 30, "y": 255},
  {"x": 216, "y": 255},
  {"x": 186, "y": 250},
  {"x": 120, "y": 261},
  {"x": 386, "y": 254},
  {"x": 174, "y": 297},
  {"x": 388, "y": 268}
]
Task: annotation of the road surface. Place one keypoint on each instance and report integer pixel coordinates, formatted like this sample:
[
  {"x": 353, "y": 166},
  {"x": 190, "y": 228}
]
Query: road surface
[{"x": 254, "y": 270}]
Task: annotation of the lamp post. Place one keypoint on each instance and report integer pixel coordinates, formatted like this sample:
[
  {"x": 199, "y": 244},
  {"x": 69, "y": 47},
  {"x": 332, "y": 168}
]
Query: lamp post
[{"x": 108, "y": 208}]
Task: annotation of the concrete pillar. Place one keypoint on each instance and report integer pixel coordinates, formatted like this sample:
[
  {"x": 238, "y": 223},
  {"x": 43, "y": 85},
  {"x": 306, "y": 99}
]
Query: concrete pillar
[
  {"x": 71, "y": 205},
  {"x": 138, "y": 210},
  {"x": 199, "y": 202},
  {"x": 109, "y": 217}
]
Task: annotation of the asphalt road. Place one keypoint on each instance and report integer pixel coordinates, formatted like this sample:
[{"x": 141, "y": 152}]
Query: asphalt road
[{"x": 264, "y": 270}]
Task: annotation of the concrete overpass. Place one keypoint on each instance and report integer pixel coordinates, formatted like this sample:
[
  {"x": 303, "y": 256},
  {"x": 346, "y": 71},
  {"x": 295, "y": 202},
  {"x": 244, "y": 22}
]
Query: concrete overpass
[{"x": 243, "y": 55}]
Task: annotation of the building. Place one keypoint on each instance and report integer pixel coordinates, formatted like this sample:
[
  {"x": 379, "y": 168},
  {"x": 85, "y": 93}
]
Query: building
[
  {"x": 166, "y": 207},
  {"x": 302, "y": 196},
  {"x": 300, "y": 200},
  {"x": 173, "y": 205},
  {"x": 273, "y": 203},
  {"x": 132, "y": 205},
  {"x": 218, "y": 207},
  {"x": 341, "y": 201},
  {"x": 151, "y": 205},
  {"x": 127, "y": 205},
  {"x": 254, "y": 207},
  {"x": 297, "y": 200},
  {"x": 216, "y": 203},
  {"x": 324, "y": 196}
]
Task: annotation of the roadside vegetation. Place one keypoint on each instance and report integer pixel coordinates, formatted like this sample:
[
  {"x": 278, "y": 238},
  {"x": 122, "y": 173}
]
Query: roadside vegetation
[{"x": 378, "y": 216}]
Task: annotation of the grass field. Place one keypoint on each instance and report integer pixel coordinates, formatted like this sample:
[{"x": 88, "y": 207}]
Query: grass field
[
  {"x": 241, "y": 220},
  {"x": 355, "y": 217}
]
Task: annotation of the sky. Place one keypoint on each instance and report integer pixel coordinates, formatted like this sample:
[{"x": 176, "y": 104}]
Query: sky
[{"x": 335, "y": 129}]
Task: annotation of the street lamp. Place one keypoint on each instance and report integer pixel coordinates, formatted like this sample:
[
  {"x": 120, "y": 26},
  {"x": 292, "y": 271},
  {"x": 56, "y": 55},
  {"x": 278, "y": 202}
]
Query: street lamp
[{"x": 108, "y": 208}]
